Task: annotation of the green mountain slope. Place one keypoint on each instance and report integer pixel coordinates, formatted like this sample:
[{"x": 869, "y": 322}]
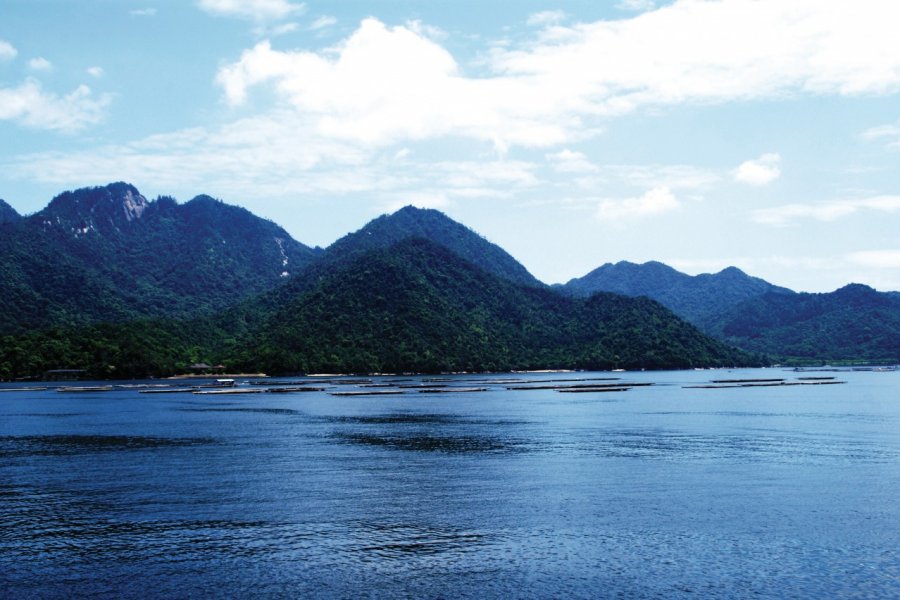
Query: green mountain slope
[
  {"x": 411, "y": 222},
  {"x": 854, "y": 322},
  {"x": 418, "y": 306},
  {"x": 108, "y": 254},
  {"x": 695, "y": 298},
  {"x": 415, "y": 306},
  {"x": 7, "y": 213}
]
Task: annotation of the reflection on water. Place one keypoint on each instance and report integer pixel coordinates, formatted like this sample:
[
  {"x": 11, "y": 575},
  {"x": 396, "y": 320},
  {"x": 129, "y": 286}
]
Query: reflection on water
[
  {"x": 50, "y": 445},
  {"x": 663, "y": 492},
  {"x": 260, "y": 410},
  {"x": 429, "y": 443}
]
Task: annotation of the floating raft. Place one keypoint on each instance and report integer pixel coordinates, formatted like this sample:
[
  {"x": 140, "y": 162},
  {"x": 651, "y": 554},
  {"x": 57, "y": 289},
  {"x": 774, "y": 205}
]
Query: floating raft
[
  {"x": 27, "y": 389},
  {"x": 588, "y": 390},
  {"x": 450, "y": 390},
  {"x": 226, "y": 391},
  {"x": 169, "y": 391},
  {"x": 592, "y": 386},
  {"x": 368, "y": 393},
  {"x": 747, "y": 380},
  {"x": 292, "y": 389},
  {"x": 781, "y": 383},
  {"x": 96, "y": 388}
]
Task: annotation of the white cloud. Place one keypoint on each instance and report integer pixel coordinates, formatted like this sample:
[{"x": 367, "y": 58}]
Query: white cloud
[
  {"x": 546, "y": 17},
  {"x": 275, "y": 156},
  {"x": 655, "y": 201},
  {"x": 878, "y": 259},
  {"x": 881, "y": 131},
  {"x": 669, "y": 176},
  {"x": 31, "y": 106},
  {"x": 636, "y": 5},
  {"x": 387, "y": 84},
  {"x": 96, "y": 72},
  {"x": 143, "y": 12},
  {"x": 761, "y": 171},
  {"x": 567, "y": 161},
  {"x": 276, "y": 31},
  {"x": 39, "y": 64},
  {"x": 7, "y": 51},
  {"x": 781, "y": 216},
  {"x": 384, "y": 84},
  {"x": 889, "y": 132},
  {"x": 322, "y": 22},
  {"x": 257, "y": 10}
]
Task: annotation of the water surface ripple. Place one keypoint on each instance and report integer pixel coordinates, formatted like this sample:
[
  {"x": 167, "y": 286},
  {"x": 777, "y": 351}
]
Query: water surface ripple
[{"x": 661, "y": 491}]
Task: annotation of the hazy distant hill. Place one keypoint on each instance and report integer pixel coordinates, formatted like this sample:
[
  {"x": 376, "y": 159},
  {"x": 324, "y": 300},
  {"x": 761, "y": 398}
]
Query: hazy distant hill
[
  {"x": 109, "y": 254},
  {"x": 854, "y": 322},
  {"x": 696, "y": 298},
  {"x": 416, "y": 305},
  {"x": 410, "y": 222}
]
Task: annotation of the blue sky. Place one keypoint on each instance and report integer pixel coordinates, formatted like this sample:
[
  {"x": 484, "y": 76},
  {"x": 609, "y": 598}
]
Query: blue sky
[{"x": 757, "y": 133}]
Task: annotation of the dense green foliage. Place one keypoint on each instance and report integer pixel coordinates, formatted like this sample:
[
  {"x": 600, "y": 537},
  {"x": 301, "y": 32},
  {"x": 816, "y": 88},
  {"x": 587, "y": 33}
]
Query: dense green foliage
[
  {"x": 695, "y": 298},
  {"x": 107, "y": 254},
  {"x": 106, "y": 281},
  {"x": 413, "y": 307},
  {"x": 418, "y": 306},
  {"x": 410, "y": 222},
  {"x": 852, "y": 323},
  {"x": 123, "y": 350}
]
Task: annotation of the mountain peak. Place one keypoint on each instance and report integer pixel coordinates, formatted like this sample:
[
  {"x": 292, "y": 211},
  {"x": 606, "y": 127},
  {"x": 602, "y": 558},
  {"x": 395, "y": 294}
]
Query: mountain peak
[
  {"x": 433, "y": 225},
  {"x": 732, "y": 272},
  {"x": 91, "y": 209}
]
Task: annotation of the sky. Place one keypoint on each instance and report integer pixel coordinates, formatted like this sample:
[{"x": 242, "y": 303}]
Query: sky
[{"x": 763, "y": 134}]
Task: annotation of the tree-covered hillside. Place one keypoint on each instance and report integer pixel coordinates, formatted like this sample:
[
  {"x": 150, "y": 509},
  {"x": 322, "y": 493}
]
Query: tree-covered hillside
[
  {"x": 109, "y": 254},
  {"x": 433, "y": 225},
  {"x": 855, "y": 322},
  {"x": 418, "y": 306},
  {"x": 696, "y": 298},
  {"x": 415, "y": 306}
]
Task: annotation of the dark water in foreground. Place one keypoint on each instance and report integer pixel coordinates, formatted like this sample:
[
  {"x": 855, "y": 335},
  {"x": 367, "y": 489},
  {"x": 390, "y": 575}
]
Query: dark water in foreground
[{"x": 656, "y": 492}]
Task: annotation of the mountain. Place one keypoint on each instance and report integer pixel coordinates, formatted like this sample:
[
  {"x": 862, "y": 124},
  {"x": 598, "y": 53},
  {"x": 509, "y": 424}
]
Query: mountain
[
  {"x": 109, "y": 254},
  {"x": 695, "y": 298},
  {"x": 7, "y": 213},
  {"x": 418, "y": 306},
  {"x": 854, "y": 322},
  {"x": 411, "y": 222}
]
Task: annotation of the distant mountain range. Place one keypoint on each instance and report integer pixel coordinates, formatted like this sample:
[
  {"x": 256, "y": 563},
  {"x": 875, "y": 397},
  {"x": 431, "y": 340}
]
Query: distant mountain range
[
  {"x": 854, "y": 322},
  {"x": 106, "y": 280},
  {"x": 696, "y": 298}
]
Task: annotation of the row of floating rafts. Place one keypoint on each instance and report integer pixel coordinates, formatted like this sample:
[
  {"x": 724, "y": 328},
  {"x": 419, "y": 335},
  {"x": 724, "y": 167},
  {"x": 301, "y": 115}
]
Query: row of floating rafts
[
  {"x": 772, "y": 382},
  {"x": 592, "y": 387}
]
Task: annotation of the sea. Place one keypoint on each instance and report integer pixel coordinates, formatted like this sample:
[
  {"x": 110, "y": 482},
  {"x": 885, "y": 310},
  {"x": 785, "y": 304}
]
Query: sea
[{"x": 516, "y": 485}]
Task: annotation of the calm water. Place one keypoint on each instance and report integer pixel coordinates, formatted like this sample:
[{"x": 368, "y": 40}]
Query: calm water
[{"x": 656, "y": 492}]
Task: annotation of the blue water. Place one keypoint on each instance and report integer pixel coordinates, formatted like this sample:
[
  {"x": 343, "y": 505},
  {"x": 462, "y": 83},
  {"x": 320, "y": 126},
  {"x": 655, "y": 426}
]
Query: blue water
[{"x": 656, "y": 492}]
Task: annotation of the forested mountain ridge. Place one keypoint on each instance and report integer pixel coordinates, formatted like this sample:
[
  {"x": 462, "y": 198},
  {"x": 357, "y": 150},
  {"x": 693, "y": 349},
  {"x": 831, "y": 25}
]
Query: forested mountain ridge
[
  {"x": 855, "y": 322},
  {"x": 417, "y": 305},
  {"x": 411, "y": 222},
  {"x": 696, "y": 298},
  {"x": 414, "y": 306},
  {"x": 109, "y": 254}
]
